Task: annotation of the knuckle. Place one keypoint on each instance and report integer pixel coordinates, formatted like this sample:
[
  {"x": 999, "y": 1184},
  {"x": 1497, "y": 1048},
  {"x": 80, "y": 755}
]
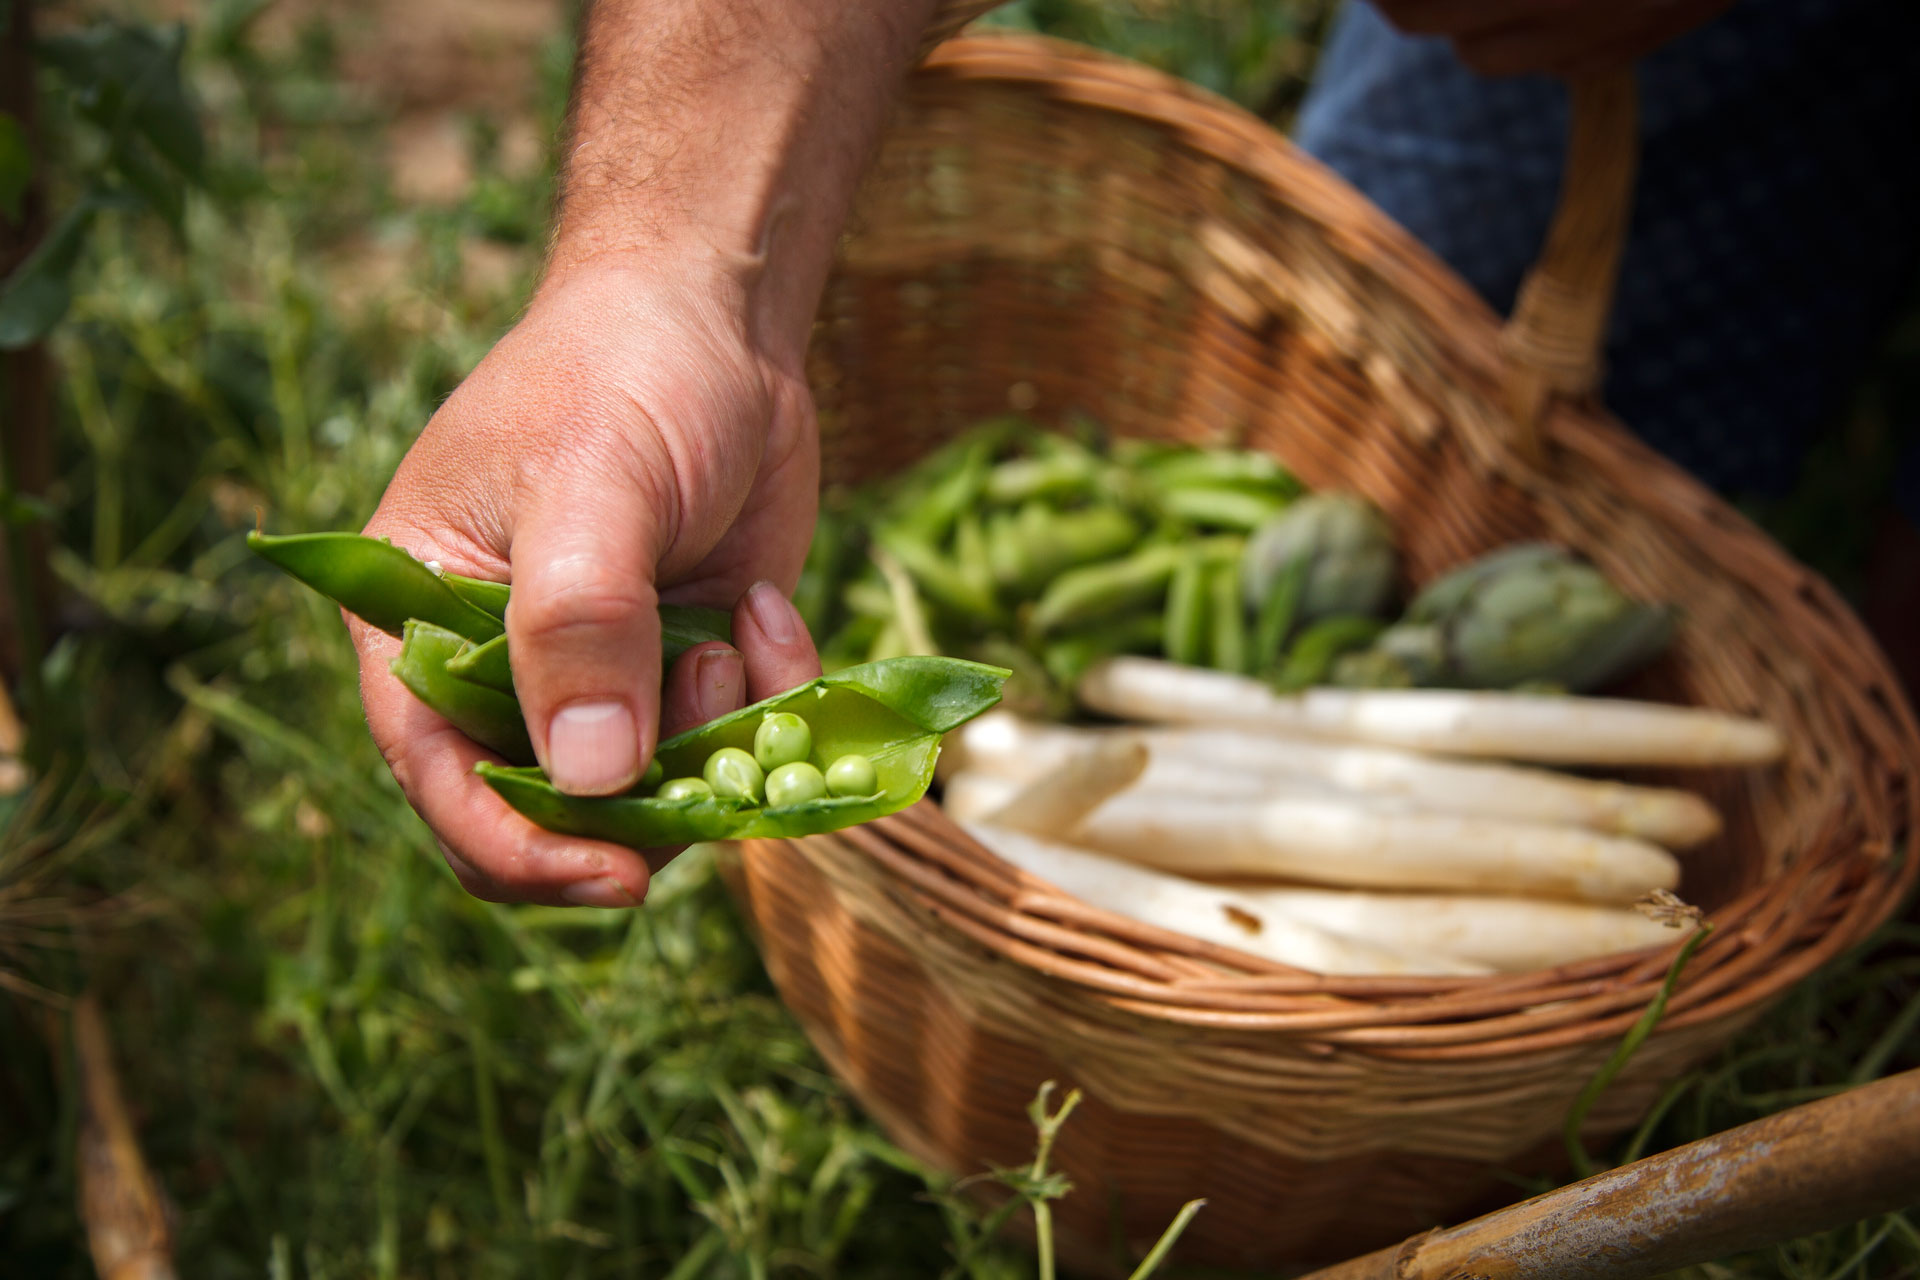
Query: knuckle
[{"x": 578, "y": 593}]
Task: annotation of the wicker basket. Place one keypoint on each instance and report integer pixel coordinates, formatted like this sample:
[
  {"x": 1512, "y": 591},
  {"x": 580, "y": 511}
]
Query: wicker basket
[{"x": 1055, "y": 230}]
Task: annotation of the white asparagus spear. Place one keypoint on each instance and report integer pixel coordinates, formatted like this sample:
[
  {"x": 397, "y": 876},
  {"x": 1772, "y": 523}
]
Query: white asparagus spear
[
  {"x": 1241, "y": 762},
  {"x": 1564, "y": 730},
  {"x": 1331, "y": 841},
  {"x": 1224, "y": 916},
  {"x": 1054, "y": 802},
  {"x": 1508, "y": 934}
]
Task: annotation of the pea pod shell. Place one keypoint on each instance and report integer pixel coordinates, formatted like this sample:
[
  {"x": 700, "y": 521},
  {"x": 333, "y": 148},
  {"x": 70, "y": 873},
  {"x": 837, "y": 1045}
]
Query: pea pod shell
[
  {"x": 489, "y": 717},
  {"x": 376, "y": 582},
  {"x": 1312, "y": 655},
  {"x": 681, "y": 628},
  {"x": 480, "y": 593},
  {"x": 1227, "y": 623},
  {"x": 894, "y": 713}
]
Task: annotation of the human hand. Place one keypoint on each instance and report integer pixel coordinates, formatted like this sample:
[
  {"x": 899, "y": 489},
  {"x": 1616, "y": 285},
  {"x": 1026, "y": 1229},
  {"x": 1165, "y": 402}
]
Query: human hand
[
  {"x": 1560, "y": 37},
  {"x": 625, "y": 442}
]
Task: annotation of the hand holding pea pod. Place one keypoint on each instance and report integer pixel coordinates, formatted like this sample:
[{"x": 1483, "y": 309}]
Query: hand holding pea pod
[
  {"x": 830, "y": 753},
  {"x": 625, "y": 441}
]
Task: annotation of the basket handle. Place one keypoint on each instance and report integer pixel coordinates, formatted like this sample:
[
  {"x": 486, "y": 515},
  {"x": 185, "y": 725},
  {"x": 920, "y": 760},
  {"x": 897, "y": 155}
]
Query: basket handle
[{"x": 1552, "y": 341}]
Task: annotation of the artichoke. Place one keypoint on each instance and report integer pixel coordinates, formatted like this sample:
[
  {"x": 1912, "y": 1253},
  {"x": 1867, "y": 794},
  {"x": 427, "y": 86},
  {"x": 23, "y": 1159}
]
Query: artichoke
[
  {"x": 1347, "y": 547},
  {"x": 1528, "y": 614}
]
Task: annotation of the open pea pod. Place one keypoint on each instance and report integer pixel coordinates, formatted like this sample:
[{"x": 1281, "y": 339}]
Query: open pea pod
[
  {"x": 382, "y": 585},
  {"x": 893, "y": 712},
  {"x": 488, "y": 716},
  {"x": 681, "y": 628},
  {"x": 385, "y": 587}
]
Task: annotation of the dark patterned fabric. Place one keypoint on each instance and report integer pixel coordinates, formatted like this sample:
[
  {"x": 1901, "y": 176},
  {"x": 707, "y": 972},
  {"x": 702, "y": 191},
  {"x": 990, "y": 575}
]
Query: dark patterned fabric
[{"x": 1775, "y": 224}]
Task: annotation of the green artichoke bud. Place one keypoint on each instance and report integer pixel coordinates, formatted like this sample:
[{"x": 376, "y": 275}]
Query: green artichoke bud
[
  {"x": 1349, "y": 555},
  {"x": 1535, "y": 613}
]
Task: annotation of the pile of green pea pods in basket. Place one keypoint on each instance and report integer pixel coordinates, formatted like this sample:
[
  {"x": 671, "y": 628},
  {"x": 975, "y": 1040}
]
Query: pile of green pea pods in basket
[
  {"x": 1047, "y": 552},
  {"x": 843, "y": 749}
]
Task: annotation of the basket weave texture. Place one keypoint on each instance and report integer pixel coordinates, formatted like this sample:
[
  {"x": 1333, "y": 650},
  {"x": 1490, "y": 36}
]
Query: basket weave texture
[{"x": 1054, "y": 230}]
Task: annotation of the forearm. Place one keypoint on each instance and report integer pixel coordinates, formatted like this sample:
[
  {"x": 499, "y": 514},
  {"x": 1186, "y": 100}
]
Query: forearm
[{"x": 727, "y": 136}]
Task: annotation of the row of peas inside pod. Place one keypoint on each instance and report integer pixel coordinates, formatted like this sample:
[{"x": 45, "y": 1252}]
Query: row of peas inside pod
[
  {"x": 777, "y": 772},
  {"x": 851, "y": 746},
  {"x": 1046, "y": 552}
]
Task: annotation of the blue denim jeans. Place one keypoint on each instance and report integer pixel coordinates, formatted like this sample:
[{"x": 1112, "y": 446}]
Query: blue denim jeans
[{"x": 1775, "y": 224}]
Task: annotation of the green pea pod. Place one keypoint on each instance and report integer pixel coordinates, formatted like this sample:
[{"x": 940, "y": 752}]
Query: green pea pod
[
  {"x": 1227, "y": 620},
  {"x": 1221, "y": 506},
  {"x": 1007, "y": 551},
  {"x": 970, "y": 556},
  {"x": 1277, "y": 614},
  {"x": 1051, "y": 542},
  {"x": 377, "y": 582},
  {"x": 1312, "y": 656},
  {"x": 484, "y": 664},
  {"x": 489, "y": 717},
  {"x": 829, "y": 556},
  {"x": 1069, "y": 473},
  {"x": 849, "y": 646},
  {"x": 894, "y": 713},
  {"x": 939, "y": 579},
  {"x": 868, "y": 598},
  {"x": 482, "y": 594},
  {"x": 681, "y": 628},
  {"x": 1242, "y": 468},
  {"x": 1187, "y": 612},
  {"x": 1068, "y": 657},
  {"x": 1097, "y": 591},
  {"x": 944, "y": 486}
]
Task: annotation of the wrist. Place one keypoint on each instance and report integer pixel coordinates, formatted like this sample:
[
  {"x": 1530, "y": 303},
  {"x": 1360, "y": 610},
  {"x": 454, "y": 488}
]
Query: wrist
[{"x": 724, "y": 142}]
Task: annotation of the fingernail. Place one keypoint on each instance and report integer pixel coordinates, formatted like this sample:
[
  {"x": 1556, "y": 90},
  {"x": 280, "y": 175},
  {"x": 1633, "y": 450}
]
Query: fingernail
[
  {"x": 718, "y": 676},
  {"x": 603, "y": 892},
  {"x": 774, "y": 613},
  {"x": 592, "y": 748}
]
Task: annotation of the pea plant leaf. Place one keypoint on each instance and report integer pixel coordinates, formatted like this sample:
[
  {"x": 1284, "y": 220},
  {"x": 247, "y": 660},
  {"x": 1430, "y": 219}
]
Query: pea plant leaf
[
  {"x": 126, "y": 79},
  {"x": 37, "y": 294},
  {"x": 16, "y": 163}
]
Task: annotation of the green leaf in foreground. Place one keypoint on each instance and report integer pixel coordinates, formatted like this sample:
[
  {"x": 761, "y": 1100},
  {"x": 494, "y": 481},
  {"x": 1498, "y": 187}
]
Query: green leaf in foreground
[
  {"x": 35, "y": 297},
  {"x": 892, "y": 712}
]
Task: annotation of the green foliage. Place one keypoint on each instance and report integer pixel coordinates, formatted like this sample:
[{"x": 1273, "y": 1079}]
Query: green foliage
[{"x": 125, "y": 81}]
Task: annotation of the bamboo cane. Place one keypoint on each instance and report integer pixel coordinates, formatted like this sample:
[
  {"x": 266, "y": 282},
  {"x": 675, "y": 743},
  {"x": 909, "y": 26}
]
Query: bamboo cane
[
  {"x": 1815, "y": 1167},
  {"x": 120, "y": 1202}
]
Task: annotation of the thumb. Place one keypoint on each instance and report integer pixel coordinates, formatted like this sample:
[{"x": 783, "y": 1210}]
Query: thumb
[{"x": 584, "y": 629}]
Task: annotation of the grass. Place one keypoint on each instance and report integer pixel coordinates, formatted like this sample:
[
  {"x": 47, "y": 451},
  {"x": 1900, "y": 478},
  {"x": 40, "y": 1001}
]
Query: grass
[{"x": 341, "y": 1064}]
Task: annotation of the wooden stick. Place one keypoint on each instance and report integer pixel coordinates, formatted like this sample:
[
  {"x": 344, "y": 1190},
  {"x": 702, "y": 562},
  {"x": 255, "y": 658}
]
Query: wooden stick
[
  {"x": 1812, "y": 1168},
  {"x": 121, "y": 1204}
]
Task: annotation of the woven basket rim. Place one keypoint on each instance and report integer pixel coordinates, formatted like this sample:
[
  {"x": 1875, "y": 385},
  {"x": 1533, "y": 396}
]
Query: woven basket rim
[{"x": 1822, "y": 903}]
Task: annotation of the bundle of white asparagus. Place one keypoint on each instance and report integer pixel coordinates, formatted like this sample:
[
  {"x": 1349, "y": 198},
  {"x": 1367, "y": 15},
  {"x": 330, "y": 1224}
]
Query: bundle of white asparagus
[{"x": 1329, "y": 830}]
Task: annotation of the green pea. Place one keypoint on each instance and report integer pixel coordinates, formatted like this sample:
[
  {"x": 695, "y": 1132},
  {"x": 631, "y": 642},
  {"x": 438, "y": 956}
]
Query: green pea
[
  {"x": 852, "y": 775},
  {"x": 782, "y": 738},
  {"x": 795, "y": 783},
  {"x": 685, "y": 789},
  {"x": 733, "y": 773},
  {"x": 654, "y": 774}
]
